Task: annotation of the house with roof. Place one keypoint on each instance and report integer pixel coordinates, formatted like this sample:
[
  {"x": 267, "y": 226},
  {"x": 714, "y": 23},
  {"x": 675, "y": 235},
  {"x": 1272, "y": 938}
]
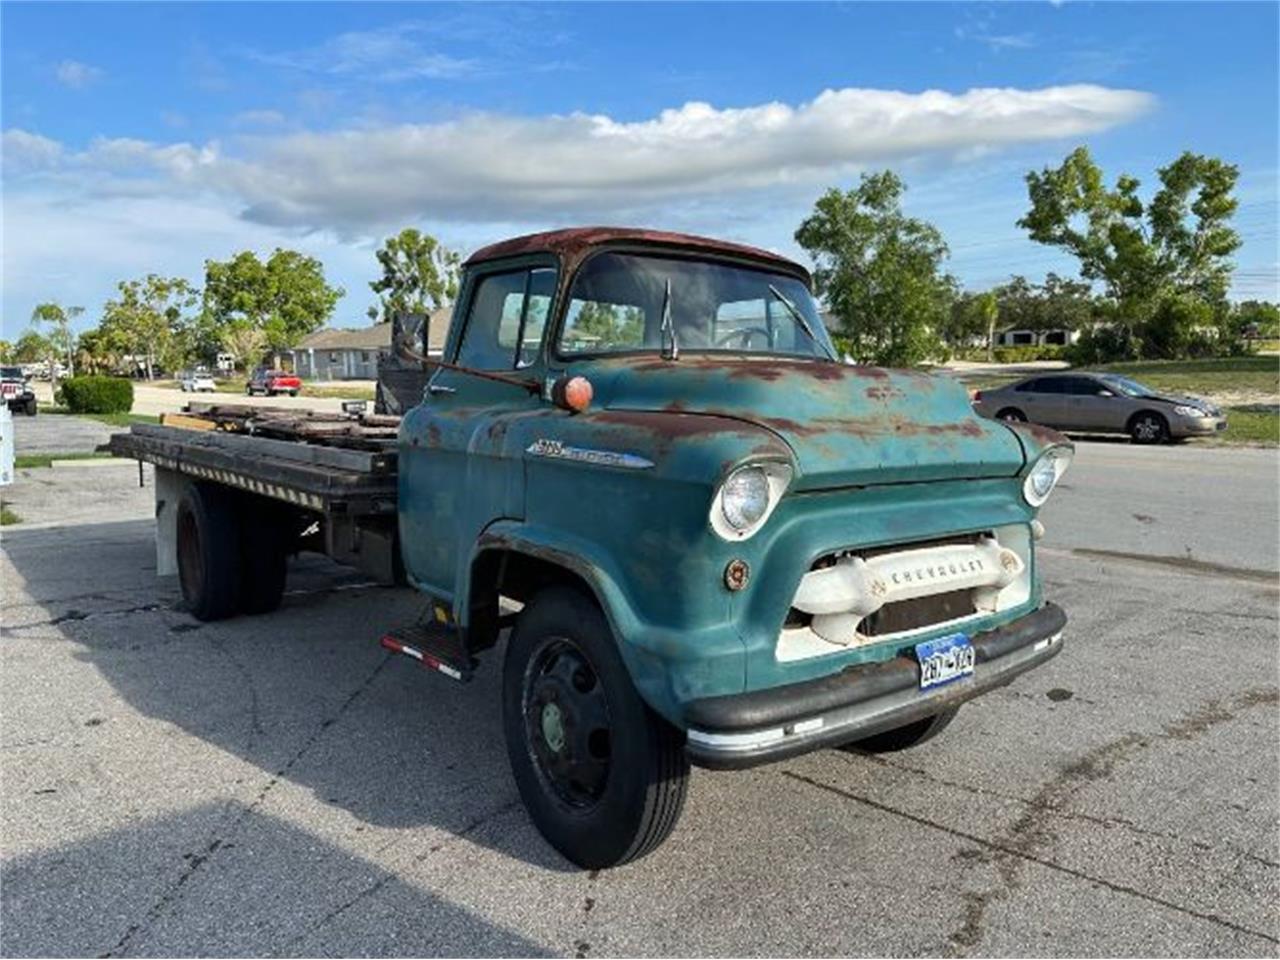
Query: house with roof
[{"x": 352, "y": 354}]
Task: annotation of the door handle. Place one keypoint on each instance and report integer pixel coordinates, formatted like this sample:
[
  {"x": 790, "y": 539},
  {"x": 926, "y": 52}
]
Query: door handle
[{"x": 438, "y": 388}]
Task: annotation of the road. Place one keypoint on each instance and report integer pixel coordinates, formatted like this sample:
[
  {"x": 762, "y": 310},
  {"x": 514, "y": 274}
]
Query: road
[{"x": 278, "y": 785}]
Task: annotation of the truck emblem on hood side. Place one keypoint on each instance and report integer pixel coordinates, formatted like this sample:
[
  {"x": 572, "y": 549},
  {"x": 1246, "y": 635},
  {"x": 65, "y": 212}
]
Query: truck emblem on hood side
[{"x": 606, "y": 458}]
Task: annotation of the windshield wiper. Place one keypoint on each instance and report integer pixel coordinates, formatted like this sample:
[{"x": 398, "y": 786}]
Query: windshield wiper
[
  {"x": 668, "y": 326},
  {"x": 800, "y": 319}
]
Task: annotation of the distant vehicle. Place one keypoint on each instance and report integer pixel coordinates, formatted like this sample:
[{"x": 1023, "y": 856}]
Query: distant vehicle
[
  {"x": 196, "y": 381},
  {"x": 271, "y": 382},
  {"x": 1102, "y": 403},
  {"x": 16, "y": 392}
]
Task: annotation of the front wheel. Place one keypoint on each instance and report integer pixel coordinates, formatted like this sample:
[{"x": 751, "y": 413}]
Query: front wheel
[
  {"x": 603, "y": 777},
  {"x": 293, "y": 393},
  {"x": 1148, "y": 427},
  {"x": 31, "y": 407}
]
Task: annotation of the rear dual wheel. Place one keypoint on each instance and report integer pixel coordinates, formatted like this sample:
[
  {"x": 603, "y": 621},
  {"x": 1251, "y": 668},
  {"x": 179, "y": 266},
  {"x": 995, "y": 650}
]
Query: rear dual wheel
[
  {"x": 602, "y": 776},
  {"x": 232, "y": 552}
]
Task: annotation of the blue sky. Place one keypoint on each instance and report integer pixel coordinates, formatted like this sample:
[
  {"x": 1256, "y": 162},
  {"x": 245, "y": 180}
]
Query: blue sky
[{"x": 146, "y": 138}]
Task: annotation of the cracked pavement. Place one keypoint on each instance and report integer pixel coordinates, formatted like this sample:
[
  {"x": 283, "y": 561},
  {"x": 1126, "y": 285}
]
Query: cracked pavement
[{"x": 279, "y": 785}]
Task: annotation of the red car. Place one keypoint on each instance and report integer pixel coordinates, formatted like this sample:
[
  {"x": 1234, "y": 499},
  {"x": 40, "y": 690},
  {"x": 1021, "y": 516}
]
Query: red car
[{"x": 270, "y": 382}]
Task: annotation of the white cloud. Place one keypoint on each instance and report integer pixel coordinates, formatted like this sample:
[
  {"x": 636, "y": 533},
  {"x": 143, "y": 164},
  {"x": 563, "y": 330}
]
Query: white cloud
[
  {"x": 25, "y": 152},
  {"x": 76, "y": 75},
  {"x": 484, "y": 167},
  {"x": 258, "y": 118},
  {"x": 389, "y": 54}
]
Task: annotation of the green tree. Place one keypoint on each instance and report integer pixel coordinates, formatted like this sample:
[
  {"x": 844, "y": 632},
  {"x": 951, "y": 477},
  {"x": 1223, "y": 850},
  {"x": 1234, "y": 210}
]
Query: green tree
[
  {"x": 61, "y": 340},
  {"x": 1257, "y": 319},
  {"x": 6, "y": 352},
  {"x": 972, "y": 317},
  {"x": 32, "y": 347},
  {"x": 285, "y": 297},
  {"x": 418, "y": 274},
  {"x": 244, "y": 341},
  {"x": 879, "y": 271},
  {"x": 1180, "y": 243},
  {"x": 149, "y": 318}
]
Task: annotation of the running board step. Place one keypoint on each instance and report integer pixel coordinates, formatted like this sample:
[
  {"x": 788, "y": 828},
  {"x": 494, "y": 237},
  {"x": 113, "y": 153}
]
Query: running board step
[{"x": 436, "y": 646}]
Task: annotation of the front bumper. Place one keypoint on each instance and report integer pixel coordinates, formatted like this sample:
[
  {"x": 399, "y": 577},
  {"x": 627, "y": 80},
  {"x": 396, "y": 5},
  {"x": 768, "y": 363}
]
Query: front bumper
[
  {"x": 746, "y": 729},
  {"x": 1197, "y": 426}
]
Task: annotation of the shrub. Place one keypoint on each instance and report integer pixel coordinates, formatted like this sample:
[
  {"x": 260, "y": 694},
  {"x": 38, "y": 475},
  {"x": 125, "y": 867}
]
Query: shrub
[
  {"x": 96, "y": 394},
  {"x": 1027, "y": 353}
]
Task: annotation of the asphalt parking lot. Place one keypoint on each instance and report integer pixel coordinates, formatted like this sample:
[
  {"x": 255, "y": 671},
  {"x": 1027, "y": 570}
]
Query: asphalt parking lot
[{"x": 281, "y": 785}]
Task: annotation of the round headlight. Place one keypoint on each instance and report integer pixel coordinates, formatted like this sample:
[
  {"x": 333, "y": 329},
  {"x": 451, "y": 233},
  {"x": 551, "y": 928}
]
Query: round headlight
[
  {"x": 745, "y": 497},
  {"x": 1045, "y": 475}
]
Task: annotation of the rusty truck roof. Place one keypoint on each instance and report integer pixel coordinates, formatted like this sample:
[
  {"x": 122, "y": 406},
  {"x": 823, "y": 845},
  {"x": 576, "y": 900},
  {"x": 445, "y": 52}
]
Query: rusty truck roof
[{"x": 576, "y": 242}]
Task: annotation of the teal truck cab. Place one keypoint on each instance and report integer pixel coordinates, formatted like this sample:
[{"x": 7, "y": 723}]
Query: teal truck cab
[
  {"x": 713, "y": 541},
  {"x": 725, "y": 546}
]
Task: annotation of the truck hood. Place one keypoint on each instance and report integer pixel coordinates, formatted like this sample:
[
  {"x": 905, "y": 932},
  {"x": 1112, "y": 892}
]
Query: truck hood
[{"x": 848, "y": 425}]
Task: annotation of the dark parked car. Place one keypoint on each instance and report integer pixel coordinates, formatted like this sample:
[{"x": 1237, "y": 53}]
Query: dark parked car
[
  {"x": 1102, "y": 403},
  {"x": 270, "y": 382},
  {"x": 15, "y": 390}
]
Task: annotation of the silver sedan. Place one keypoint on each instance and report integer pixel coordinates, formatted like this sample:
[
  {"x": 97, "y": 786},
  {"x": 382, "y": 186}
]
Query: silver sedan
[{"x": 1101, "y": 403}]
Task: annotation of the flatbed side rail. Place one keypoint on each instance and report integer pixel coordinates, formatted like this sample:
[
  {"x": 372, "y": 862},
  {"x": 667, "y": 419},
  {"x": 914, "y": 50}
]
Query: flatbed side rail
[{"x": 308, "y": 475}]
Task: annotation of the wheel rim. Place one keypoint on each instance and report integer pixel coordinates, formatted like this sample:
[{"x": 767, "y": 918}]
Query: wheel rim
[
  {"x": 1147, "y": 429},
  {"x": 566, "y": 719},
  {"x": 190, "y": 563},
  {"x": 1012, "y": 416}
]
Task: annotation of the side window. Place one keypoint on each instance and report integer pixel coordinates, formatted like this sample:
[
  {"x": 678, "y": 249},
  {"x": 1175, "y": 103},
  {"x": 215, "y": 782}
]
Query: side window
[
  {"x": 1031, "y": 386},
  {"x": 508, "y": 314},
  {"x": 1081, "y": 387}
]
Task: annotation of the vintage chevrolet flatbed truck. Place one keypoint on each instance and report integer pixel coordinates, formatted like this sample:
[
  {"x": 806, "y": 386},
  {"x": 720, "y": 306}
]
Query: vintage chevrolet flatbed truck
[{"x": 714, "y": 542}]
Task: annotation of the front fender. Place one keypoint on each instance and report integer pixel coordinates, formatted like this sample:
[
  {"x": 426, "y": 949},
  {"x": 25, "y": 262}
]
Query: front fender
[{"x": 670, "y": 663}]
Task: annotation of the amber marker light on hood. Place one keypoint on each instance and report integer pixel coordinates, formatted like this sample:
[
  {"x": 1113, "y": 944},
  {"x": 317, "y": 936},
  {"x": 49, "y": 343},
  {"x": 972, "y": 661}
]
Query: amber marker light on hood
[{"x": 573, "y": 393}]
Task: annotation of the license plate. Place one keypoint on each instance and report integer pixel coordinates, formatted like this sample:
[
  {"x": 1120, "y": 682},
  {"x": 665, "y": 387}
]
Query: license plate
[{"x": 944, "y": 659}]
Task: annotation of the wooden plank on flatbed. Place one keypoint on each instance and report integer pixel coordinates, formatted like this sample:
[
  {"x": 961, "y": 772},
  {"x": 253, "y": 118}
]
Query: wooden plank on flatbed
[{"x": 357, "y": 461}]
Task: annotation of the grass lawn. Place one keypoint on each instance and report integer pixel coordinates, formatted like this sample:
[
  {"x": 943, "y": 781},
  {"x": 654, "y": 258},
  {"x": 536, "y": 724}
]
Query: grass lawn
[
  {"x": 28, "y": 461},
  {"x": 7, "y": 516},
  {"x": 1251, "y": 426},
  {"x": 110, "y": 419},
  {"x": 337, "y": 392}
]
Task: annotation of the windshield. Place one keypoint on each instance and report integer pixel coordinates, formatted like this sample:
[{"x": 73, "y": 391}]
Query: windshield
[
  {"x": 1130, "y": 388},
  {"x": 11, "y": 373},
  {"x": 617, "y": 305}
]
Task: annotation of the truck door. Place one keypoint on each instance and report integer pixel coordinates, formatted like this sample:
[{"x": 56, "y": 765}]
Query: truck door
[{"x": 459, "y": 470}]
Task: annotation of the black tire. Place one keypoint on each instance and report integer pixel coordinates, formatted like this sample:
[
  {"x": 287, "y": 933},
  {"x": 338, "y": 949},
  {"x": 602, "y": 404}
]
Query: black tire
[
  {"x": 31, "y": 407},
  {"x": 907, "y": 736},
  {"x": 1148, "y": 426},
  {"x": 264, "y": 555},
  {"x": 208, "y": 535},
  {"x": 614, "y": 787},
  {"x": 1012, "y": 415},
  {"x": 293, "y": 393},
  {"x": 248, "y": 391}
]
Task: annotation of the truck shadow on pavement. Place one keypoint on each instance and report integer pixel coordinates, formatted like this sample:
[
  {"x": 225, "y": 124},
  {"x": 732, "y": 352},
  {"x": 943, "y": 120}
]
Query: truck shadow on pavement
[
  {"x": 304, "y": 695},
  {"x": 228, "y": 880}
]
